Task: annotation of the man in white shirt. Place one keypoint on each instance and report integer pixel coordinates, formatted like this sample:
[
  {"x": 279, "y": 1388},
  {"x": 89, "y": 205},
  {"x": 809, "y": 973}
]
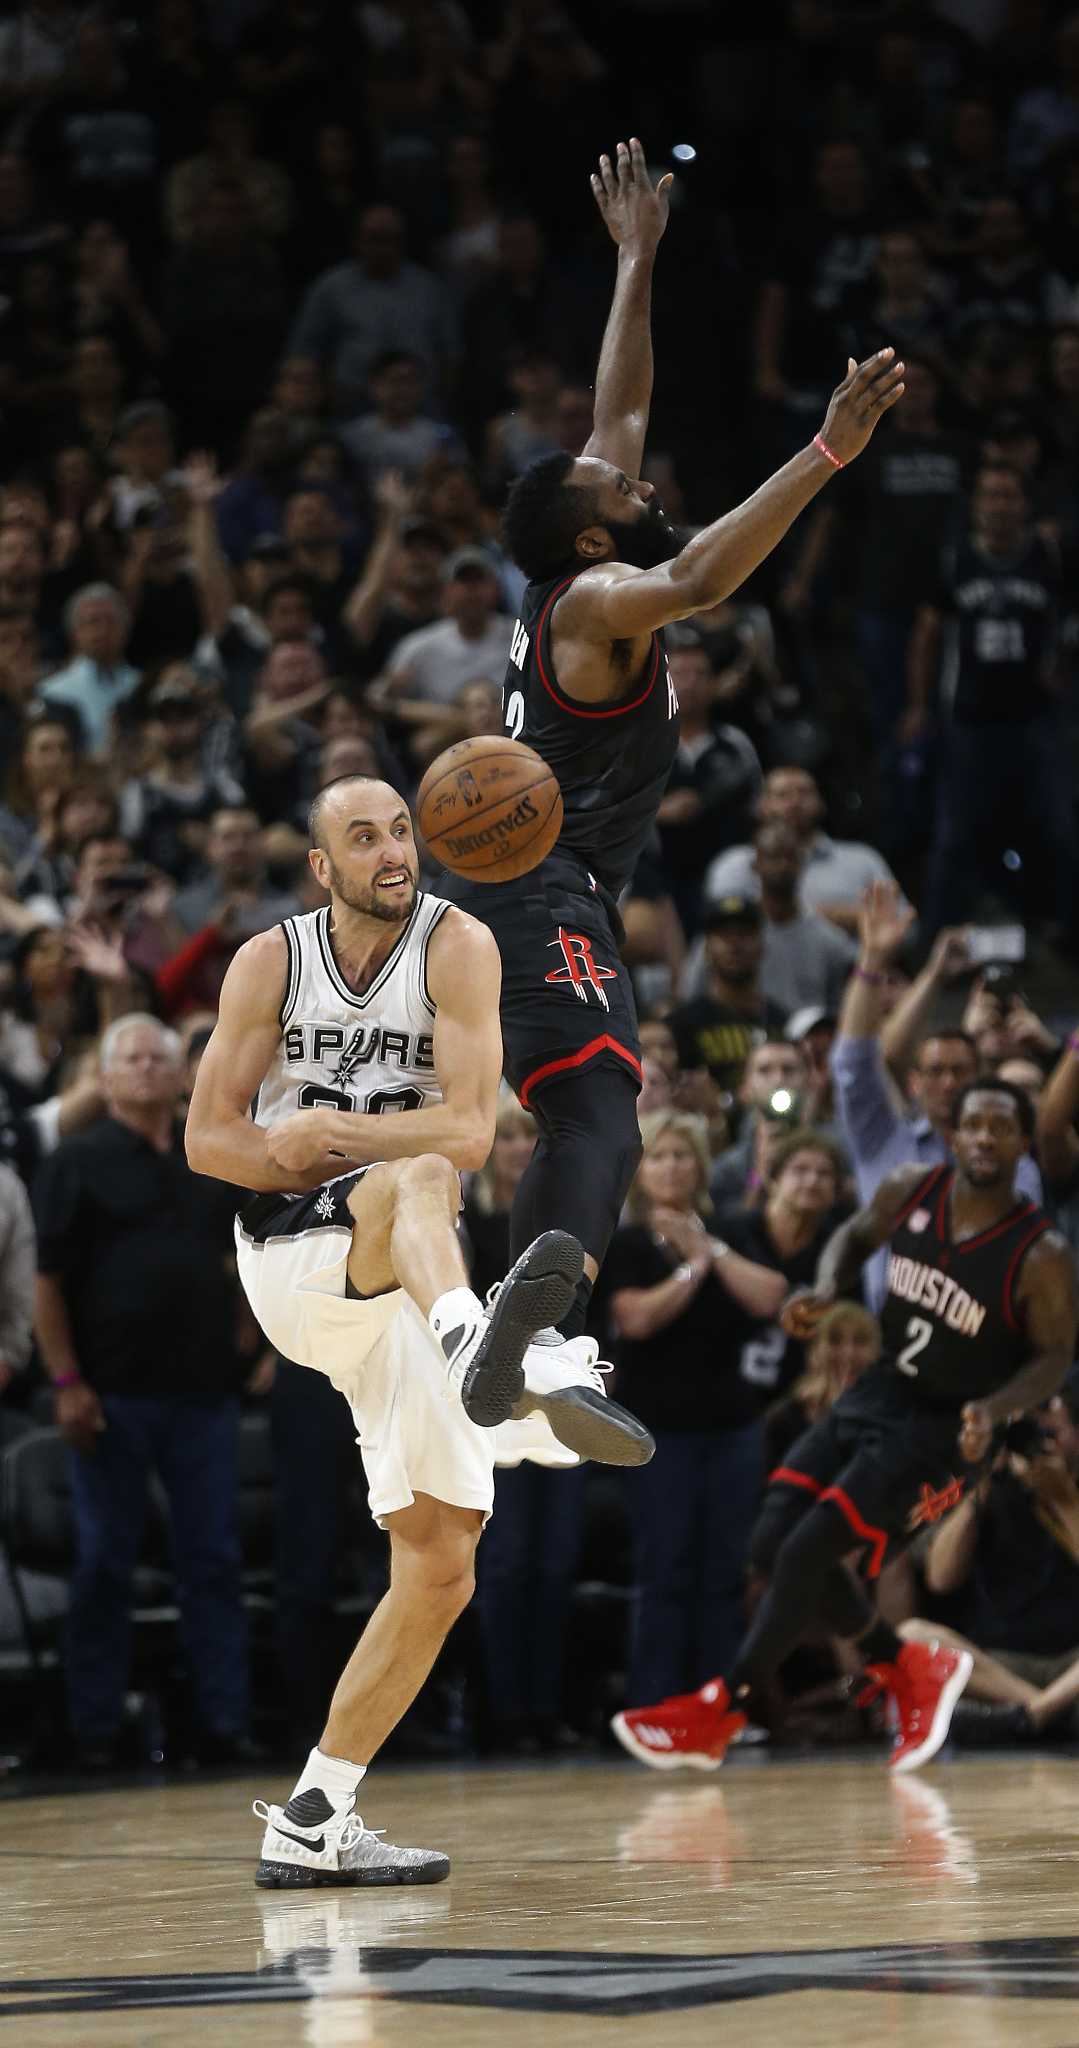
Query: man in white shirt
[
  {"x": 835, "y": 872},
  {"x": 472, "y": 641}
]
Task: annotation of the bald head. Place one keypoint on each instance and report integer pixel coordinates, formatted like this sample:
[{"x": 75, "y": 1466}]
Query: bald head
[
  {"x": 333, "y": 805},
  {"x": 363, "y": 849}
]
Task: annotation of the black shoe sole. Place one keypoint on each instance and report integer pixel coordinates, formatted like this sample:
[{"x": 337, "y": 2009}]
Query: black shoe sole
[
  {"x": 536, "y": 1291},
  {"x": 294, "y": 1877},
  {"x": 586, "y": 1422}
]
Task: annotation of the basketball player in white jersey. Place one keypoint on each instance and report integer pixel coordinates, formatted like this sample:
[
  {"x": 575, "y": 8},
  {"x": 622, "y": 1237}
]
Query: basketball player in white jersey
[{"x": 353, "y": 1071}]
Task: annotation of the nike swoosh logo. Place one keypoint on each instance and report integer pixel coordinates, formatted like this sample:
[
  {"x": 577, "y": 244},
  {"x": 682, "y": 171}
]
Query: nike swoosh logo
[{"x": 316, "y": 1848}]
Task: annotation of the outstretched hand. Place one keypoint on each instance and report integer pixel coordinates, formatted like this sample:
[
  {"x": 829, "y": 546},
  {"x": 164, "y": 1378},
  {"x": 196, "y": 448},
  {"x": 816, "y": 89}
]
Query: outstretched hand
[
  {"x": 634, "y": 212},
  {"x": 867, "y": 392}
]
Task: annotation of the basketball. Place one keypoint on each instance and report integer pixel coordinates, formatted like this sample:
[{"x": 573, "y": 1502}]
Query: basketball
[{"x": 490, "y": 809}]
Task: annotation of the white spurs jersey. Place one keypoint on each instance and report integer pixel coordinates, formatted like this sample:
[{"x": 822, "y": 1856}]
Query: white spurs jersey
[{"x": 339, "y": 1050}]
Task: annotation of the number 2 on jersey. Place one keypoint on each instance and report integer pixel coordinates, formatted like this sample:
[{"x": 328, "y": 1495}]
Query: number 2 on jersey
[
  {"x": 918, "y": 1335},
  {"x": 515, "y": 713}
]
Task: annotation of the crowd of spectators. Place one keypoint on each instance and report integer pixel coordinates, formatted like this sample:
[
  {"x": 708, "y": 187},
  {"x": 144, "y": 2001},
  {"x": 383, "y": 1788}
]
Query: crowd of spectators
[{"x": 289, "y": 294}]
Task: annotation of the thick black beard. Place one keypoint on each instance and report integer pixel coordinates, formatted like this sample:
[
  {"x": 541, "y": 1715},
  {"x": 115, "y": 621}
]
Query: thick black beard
[{"x": 645, "y": 543}]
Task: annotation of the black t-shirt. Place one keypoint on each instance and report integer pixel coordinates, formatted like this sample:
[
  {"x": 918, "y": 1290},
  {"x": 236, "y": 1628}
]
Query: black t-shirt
[
  {"x": 686, "y": 1376},
  {"x": 710, "y": 1034},
  {"x": 824, "y": 264},
  {"x": 1023, "y": 1591},
  {"x": 898, "y": 502},
  {"x": 768, "y": 1360},
  {"x": 140, "y": 1245},
  {"x": 1000, "y": 631}
]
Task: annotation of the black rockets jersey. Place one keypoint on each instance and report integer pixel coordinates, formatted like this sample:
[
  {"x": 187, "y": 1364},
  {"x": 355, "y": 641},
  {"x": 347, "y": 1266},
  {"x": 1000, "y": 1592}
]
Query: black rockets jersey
[
  {"x": 950, "y": 1322},
  {"x": 612, "y": 760}
]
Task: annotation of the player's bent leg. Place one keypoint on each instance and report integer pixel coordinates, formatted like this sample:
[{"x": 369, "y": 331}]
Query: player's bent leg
[
  {"x": 316, "y": 1839},
  {"x": 579, "y": 1175},
  {"x": 405, "y": 1234}
]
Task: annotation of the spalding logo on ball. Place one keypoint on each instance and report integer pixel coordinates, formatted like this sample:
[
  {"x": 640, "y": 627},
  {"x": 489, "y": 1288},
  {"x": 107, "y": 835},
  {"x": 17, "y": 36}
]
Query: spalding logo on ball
[{"x": 489, "y": 809}]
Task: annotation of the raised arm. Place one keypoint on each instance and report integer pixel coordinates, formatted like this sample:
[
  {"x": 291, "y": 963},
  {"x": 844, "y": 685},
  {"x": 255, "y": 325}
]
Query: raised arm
[
  {"x": 616, "y": 602},
  {"x": 464, "y": 974},
  {"x": 635, "y": 217},
  {"x": 220, "y": 1138}
]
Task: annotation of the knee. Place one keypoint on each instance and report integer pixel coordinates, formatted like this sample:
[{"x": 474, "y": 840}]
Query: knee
[
  {"x": 428, "y": 1176},
  {"x": 440, "y": 1576}
]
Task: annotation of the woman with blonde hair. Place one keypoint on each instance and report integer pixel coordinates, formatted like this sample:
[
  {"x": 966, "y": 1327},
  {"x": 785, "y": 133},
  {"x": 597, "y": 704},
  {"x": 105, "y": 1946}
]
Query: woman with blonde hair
[{"x": 674, "y": 1295}]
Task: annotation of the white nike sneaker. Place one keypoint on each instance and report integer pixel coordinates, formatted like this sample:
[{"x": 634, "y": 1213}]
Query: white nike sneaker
[
  {"x": 310, "y": 1843},
  {"x": 564, "y": 1384},
  {"x": 484, "y": 1362}
]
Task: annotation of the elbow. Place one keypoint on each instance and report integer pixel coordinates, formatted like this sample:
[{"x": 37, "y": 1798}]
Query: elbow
[
  {"x": 195, "y": 1147},
  {"x": 473, "y": 1147}
]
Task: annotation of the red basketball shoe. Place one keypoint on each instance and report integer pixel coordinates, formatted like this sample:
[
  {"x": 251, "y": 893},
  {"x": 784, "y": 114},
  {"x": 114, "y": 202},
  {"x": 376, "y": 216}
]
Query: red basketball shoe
[
  {"x": 925, "y": 1682},
  {"x": 693, "y": 1728}
]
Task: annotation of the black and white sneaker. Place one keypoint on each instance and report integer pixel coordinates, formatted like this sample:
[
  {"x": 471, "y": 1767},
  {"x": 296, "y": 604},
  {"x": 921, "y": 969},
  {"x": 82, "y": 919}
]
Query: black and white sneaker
[
  {"x": 487, "y": 1366},
  {"x": 309, "y": 1843},
  {"x": 564, "y": 1382}
]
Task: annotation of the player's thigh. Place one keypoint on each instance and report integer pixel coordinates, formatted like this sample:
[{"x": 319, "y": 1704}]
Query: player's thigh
[{"x": 372, "y": 1204}]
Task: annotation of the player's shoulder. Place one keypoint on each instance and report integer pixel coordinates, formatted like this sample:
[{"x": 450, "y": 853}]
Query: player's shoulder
[
  {"x": 1049, "y": 1251},
  {"x": 459, "y": 945},
  {"x": 258, "y": 967}
]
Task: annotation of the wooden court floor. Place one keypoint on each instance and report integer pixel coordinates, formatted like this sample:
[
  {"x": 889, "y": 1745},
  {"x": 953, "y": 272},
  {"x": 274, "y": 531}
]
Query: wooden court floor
[{"x": 805, "y": 1903}]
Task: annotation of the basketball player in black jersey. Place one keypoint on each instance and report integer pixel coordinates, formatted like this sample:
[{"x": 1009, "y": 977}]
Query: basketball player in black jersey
[
  {"x": 979, "y": 1324},
  {"x": 587, "y": 687}
]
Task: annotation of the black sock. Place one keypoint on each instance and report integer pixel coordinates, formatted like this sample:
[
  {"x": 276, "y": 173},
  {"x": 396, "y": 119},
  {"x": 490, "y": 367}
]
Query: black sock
[
  {"x": 879, "y": 1644},
  {"x": 573, "y": 1322}
]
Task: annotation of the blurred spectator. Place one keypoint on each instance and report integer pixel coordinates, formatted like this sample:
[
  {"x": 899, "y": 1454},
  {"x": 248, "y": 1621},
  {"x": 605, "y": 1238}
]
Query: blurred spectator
[
  {"x": 526, "y": 1575},
  {"x": 1004, "y": 284},
  {"x": 819, "y": 262},
  {"x": 224, "y": 313},
  {"x": 164, "y": 809},
  {"x": 468, "y": 250},
  {"x": 396, "y": 433},
  {"x": 805, "y": 958},
  {"x": 144, "y": 1377},
  {"x": 835, "y": 871},
  {"x": 333, "y": 179},
  {"x": 1058, "y": 1141},
  {"x": 1003, "y": 777},
  {"x": 97, "y": 678},
  {"x": 718, "y": 1028},
  {"x": 523, "y": 304},
  {"x": 107, "y": 297},
  {"x": 234, "y": 876},
  {"x": 472, "y": 640},
  {"x": 894, "y": 512},
  {"x": 1006, "y": 1565},
  {"x": 714, "y": 780},
  {"x": 1047, "y": 116},
  {"x": 229, "y": 153},
  {"x": 666, "y": 1283},
  {"x": 533, "y": 425},
  {"x": 773, "y": 1095},
  {"x": 18, "y": 1260},
  {"x": 144, "y": 451},
  {"x": 787, "y": 1233},
  {"x": 98, "y": 144},
  {"x": 280, "y": 740},
  {"x": 377, "y": 301},
  {"x": 400, "y": 589},
  {"x": 37, "y": 49},
  {"x": 252, "y": 503},
  {"x": 844, "y": 1345},
  {"x": 879, "y": 1137}
]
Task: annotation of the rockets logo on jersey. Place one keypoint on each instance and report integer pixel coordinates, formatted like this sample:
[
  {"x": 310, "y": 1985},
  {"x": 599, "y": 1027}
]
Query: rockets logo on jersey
[{"x": 581, "y": 970}]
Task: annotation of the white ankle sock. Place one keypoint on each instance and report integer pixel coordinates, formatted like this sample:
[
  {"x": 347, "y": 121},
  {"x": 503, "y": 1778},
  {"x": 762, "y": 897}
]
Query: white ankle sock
[
  {"x": 458, "y": 1308},
  {"x": 333, "y": 1775}
]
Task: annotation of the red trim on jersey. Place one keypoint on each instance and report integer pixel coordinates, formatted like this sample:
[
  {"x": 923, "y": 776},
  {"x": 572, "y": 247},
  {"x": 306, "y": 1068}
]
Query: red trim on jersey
[
  {"x": 942, "y": 1210},
  {"x": 921, "y": 1194},
  {"x": 785, "y": 1475},
  {"x": 865, "y": 1530},
  {"x": 567, "y": 703},
  {"x": 1042, "y": 1225},
  {"x": 588, "y": 1052},
  {"x": 1016, "y": 1215}
]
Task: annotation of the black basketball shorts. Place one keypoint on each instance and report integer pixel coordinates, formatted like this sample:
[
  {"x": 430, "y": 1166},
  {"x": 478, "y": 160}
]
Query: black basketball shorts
[
  {"x": 567, "y": 999},
  {"x": 888, "y": 1467}
]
